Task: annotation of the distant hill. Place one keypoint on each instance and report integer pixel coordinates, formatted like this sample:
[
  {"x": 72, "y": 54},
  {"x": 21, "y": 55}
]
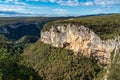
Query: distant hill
[{"x": 101, "y": 14}]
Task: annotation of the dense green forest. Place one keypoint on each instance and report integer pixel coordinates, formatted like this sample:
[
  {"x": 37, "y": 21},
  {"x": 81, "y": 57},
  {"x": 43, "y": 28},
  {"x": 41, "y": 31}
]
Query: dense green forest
[
  {"x": 10, "y": 67},
  {"x": 59, "y": 64},
  {"x": 25, "y": 60},
  {"x": 43, "y": 62}
]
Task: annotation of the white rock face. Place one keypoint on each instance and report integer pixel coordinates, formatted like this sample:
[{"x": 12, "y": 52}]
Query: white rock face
[{"x": 79, "y": 39}]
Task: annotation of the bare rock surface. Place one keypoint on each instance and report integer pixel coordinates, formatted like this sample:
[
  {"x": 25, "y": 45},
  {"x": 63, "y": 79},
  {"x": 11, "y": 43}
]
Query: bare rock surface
[{"x": 79, "y": 39}]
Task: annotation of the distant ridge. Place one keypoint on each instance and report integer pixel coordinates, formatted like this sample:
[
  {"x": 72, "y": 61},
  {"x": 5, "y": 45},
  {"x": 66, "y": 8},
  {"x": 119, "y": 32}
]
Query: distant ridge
[
  {"x": 101, "y": 14},
  {"x": 18, "y": 14}
]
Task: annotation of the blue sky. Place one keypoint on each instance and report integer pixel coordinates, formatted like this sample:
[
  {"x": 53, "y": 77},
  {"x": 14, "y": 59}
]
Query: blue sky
[{"x": 57, "y": 7}]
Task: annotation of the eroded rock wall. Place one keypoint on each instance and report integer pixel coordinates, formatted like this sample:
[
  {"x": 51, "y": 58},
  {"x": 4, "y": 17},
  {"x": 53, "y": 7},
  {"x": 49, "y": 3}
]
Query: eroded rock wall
[{"x": 79, "y": 39}]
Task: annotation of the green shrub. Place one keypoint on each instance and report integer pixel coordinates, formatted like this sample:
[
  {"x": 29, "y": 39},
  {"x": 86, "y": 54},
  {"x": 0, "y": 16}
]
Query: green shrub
[
  {"x": 10, "y": 69},
  {"x": 59, "y": 64}
]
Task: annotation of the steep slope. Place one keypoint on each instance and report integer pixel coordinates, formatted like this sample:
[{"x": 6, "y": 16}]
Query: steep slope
[
  {"x": 59, "y": 64},
  {"x": 93, "y": 37}
]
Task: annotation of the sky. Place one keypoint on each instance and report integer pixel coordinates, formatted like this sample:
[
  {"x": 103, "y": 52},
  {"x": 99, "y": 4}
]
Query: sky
[{"x": 57, "y": 7}]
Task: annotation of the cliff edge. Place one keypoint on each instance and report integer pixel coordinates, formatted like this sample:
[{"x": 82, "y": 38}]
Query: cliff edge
[{"x": 80, "y": 39}]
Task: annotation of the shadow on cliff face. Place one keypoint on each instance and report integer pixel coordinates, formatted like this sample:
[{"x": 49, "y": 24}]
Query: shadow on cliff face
[
  {"x": 22, "y": 30},
  {"x": 18, "y": 31}
]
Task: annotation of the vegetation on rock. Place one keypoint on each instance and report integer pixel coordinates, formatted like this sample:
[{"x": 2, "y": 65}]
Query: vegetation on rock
[
  {"x": 106, "y": 26},
  {"x": 114, "y": 73}
]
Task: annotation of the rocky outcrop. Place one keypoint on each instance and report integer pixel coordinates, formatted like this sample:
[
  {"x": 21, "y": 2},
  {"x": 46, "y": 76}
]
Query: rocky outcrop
[
  {"x": 79, "y": 39},
  {"x": 117, "y": 47}
]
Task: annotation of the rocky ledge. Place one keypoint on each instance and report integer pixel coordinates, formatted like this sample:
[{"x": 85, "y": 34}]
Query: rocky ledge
[{"x": 81, "y": 40}]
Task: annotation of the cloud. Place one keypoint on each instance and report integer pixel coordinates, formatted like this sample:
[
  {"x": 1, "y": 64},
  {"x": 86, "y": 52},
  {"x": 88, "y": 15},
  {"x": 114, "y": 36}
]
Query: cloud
[
  {"x": 12, "y": 13},
  {"x": 80, "y": 3},
  {"x": 88, "y": 3},
  {"x": 67, "y": 2},
  {"x": 5, "y": 7},
  {"x": 106, "y": 2},
  {"x": 60, "y": 11},
  {"x": 23, "y": 9},
  {"x": 97, "y": 11},
  {"x": 24, "y": 6},
  {"x": 18, "y": 2},
  {"x": 52, "y": 0},
  {"x": 70, "y": 2}
]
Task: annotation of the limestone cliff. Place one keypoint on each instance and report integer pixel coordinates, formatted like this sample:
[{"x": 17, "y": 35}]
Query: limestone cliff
[{"x": 79, "y": 39}]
